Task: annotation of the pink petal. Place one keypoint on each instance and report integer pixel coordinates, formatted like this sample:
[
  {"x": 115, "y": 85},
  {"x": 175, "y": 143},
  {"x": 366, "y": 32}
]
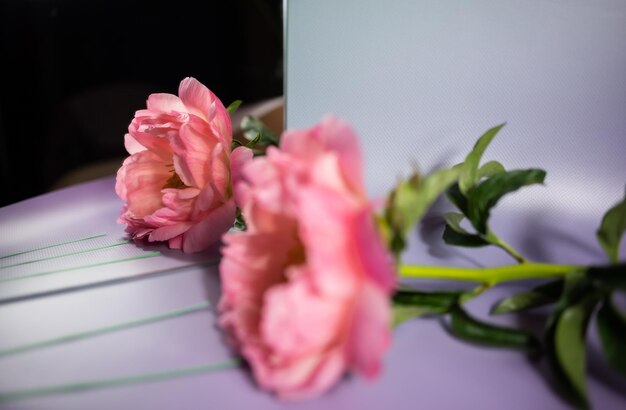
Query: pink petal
[
  {"x": 176, "y": 242},
  {"x": 144, "y": 177},
  {"x": 252, "y": 263},
  {"x": 265, "y": 180},
  {"x": 188, "y": 193},
  {"x": 375, "y": 258},
  {"x": 329, "y": 368},
  {"x": 120, "y": 180},
  {"x": 297, "y": 320},
  {"x": 220, "y": 173},
  {"x": 370, "y": 334},
  {"x": 208, "y": 231},
  {"x": 132, "y": 145},
  {"x": 301, "y": 144},
  {"x": 326, "y": 230},
  {"x": 197, "y": 98},
  {"x": 339, "y": 137},
  {"x": 193, "y": 152},
  {"x": 184, "y": 172},
  {"x": 202, "y": 102},
  {"x": 178, "y": 199},
  {"x": 165, "y": 103},
  {"x": 157, "y": 144},
  {"x": 326, "y": 171},
  {"x": 205, "y": 199},
  {"x": 168, "y": 232},
  {"x": 239, "y": 157}
]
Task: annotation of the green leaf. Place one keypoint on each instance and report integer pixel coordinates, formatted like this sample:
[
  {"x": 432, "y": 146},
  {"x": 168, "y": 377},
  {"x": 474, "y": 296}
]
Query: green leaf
[
  {"x": 576, "y": 286},
  {"x": 539, "y": 296},
  {"x": 410, "y": 201},
  {"x": 569, "y": 343},
  {"x": 490, "y": 169},
  {"x": 452, "y": 237},
  {"x": 486, "y": 195},
  {"x": 254, "y": 141},
  {"x": 251, "y": 126},
  {"x": 454, "y": 234},
  {"x": 468, "y": 328},
  {"x": 402, "y": 313},
  {"x": 612, "y": 330},
  {"x": 469, "y": 174},
  {"x": 613, "y": 276},
  {"x": 233, "y": 106},
  {"x": 418, "y": 199},
  {"x": 579, "y": 293},
  {"x": 457, "y": 198},
  {"x": 454, "y": 220},
  {"x": 612, "y": 229},
  {"x": 410, "y": 303},
  {"x": 454, "y": 193},
  {"x": 240, "y": 223}
]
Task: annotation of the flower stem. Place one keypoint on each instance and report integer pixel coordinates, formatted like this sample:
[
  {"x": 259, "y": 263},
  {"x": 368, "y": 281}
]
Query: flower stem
[
  {"x": 495, "y": 239},
  {"x": 489, "y": 276}
]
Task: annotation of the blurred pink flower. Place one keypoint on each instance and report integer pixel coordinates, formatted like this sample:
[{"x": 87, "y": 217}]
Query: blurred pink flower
[
  {"x": 176, "y": 184},
  {"x": 306, "y": 289}
]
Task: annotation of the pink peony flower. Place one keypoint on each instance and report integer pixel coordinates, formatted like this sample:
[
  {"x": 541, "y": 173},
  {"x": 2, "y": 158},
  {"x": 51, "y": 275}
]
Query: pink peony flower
[
  {"x": 176, "y": 184},
  {"x": 306, "y": 288}
]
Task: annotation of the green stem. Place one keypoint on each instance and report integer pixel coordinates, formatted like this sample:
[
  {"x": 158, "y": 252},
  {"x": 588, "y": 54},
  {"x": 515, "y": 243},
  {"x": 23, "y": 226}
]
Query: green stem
[
  {"x": 490, "y": 276},
  {"x": 495, "y": 240}
]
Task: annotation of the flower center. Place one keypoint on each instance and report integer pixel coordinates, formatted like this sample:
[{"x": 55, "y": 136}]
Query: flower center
[
  {"x": 297, "y": 255},
  {"x": 174, "y": 182}
]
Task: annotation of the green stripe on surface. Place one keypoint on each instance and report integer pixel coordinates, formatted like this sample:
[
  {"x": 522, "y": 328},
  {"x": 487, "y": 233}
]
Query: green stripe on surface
[
  {"x": 116, "y": 382},
  {"x": 111, "y": 245},
  {"x": 33, "y": 275},
  {"x": 103, "y": 330},
  {"x": 96, "y": 235}
]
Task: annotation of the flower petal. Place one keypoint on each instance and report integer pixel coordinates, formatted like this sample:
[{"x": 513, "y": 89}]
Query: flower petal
[
  {"x": 339, "y": 138},
  {"x": 328, "y": 369},
  {"x": 141, "y": 181},
  {"x": 220, "y": 173},
  {"x": 202, "y": 102},
  {"x": 165, "y": 103},
  {"x": 370, "y": 334},
  {"x": 165, "y": 233},
  {"x": 297, "y": 320},
  {"x": 192, "y": 149},
  {"x": 176, "y": 242},
  {"x": 205, "y": 198},
  {"x": 326, "y": 222},
  {"x": 132, "y": 145},
  {"x": 209, "y": 230},
  {"x": 375, "y": 259},
  {"x": 239, "y": 157},
  {"x": 252, "y": 263},
  {"x": 197, "y": 98}
]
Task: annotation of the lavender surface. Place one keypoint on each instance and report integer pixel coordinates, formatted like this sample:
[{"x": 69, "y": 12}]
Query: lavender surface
[{"x": 425, "y": 367}]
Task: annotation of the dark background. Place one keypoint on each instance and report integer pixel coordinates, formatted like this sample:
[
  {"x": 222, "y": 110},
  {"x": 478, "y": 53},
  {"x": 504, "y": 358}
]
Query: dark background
[{"x": 74, "y": 73}]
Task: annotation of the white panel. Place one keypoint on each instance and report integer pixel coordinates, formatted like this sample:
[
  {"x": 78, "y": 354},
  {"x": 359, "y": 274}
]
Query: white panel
[{"x": 422, "y": 79}]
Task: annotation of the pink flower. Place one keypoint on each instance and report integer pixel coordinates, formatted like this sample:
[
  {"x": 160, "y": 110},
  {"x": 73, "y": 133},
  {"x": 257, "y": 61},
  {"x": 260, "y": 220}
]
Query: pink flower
[
  {"x": 176, "y": 184},
  {"x": 306, "y": 288}
]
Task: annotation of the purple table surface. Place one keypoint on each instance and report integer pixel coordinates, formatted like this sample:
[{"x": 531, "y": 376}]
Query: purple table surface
[{"x": 424, "y": 368}]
